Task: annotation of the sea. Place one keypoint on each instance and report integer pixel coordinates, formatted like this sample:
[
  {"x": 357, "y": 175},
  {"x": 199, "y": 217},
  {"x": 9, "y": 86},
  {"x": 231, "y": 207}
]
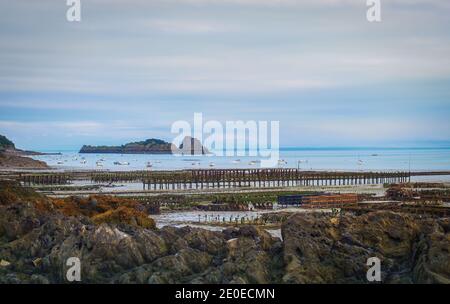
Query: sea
[{"x": 329, "y": 159}]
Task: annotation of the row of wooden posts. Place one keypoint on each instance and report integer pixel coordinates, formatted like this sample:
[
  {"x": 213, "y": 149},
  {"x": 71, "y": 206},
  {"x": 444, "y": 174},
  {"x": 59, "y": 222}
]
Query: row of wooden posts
[
  {"x": 45, "y": 179},
  {"x": 267, "y": 178},
  {"x": 236, "y": 219},
  {"x": 217, "y": 178}
]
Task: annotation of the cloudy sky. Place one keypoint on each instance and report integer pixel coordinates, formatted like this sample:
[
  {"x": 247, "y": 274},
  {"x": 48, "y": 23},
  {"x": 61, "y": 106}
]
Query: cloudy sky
[{"x": 131, "y": 68}]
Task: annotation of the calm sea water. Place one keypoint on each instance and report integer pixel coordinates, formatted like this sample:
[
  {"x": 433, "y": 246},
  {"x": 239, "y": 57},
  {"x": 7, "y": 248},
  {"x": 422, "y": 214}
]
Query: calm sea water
[{"x": 355, "y": 159}]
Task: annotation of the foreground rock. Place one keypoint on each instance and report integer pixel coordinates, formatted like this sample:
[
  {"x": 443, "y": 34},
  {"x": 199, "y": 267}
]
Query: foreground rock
[
  {"x": 322, "y": 249},
  {"x": 116, "y": 245},
  {"x": 36, "y": 248}
]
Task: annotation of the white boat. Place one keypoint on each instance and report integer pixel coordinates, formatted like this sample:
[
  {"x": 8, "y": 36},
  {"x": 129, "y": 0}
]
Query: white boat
[
  {"x": 212, "y": 164},
  {"x": 149, "y": 165},
  {"x": 117, "y": 163},
  {"x": 237, "y": 161},
  {"x": 60, "y": 163}
]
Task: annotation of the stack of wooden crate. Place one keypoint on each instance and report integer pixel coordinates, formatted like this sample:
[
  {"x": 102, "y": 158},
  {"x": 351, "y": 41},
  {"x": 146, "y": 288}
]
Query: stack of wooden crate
[{"x": 330, "y": 200}]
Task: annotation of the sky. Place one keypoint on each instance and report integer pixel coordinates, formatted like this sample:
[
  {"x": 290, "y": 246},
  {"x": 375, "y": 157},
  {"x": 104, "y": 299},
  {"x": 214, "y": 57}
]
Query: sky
[{"x": 130, "y": 69}]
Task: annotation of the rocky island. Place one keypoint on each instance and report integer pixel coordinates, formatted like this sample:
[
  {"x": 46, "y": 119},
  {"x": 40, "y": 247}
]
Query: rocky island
[{"x": 190, "y": 146}]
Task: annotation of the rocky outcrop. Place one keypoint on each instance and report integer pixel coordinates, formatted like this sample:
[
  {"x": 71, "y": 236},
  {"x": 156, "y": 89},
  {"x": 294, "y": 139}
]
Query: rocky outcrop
[
  {"x": 101, "y": 209},
  {"x": 191, "y": 146},
  {"x": 323, "y": 249}
]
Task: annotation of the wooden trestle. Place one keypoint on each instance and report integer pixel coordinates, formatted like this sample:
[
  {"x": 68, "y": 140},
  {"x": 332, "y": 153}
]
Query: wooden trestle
[{"x": 218, "y": 178}]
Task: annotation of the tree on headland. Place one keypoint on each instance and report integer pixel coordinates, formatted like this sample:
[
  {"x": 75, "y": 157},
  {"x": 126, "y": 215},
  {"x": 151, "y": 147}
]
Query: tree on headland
[{"x": 5, "y": 143}]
